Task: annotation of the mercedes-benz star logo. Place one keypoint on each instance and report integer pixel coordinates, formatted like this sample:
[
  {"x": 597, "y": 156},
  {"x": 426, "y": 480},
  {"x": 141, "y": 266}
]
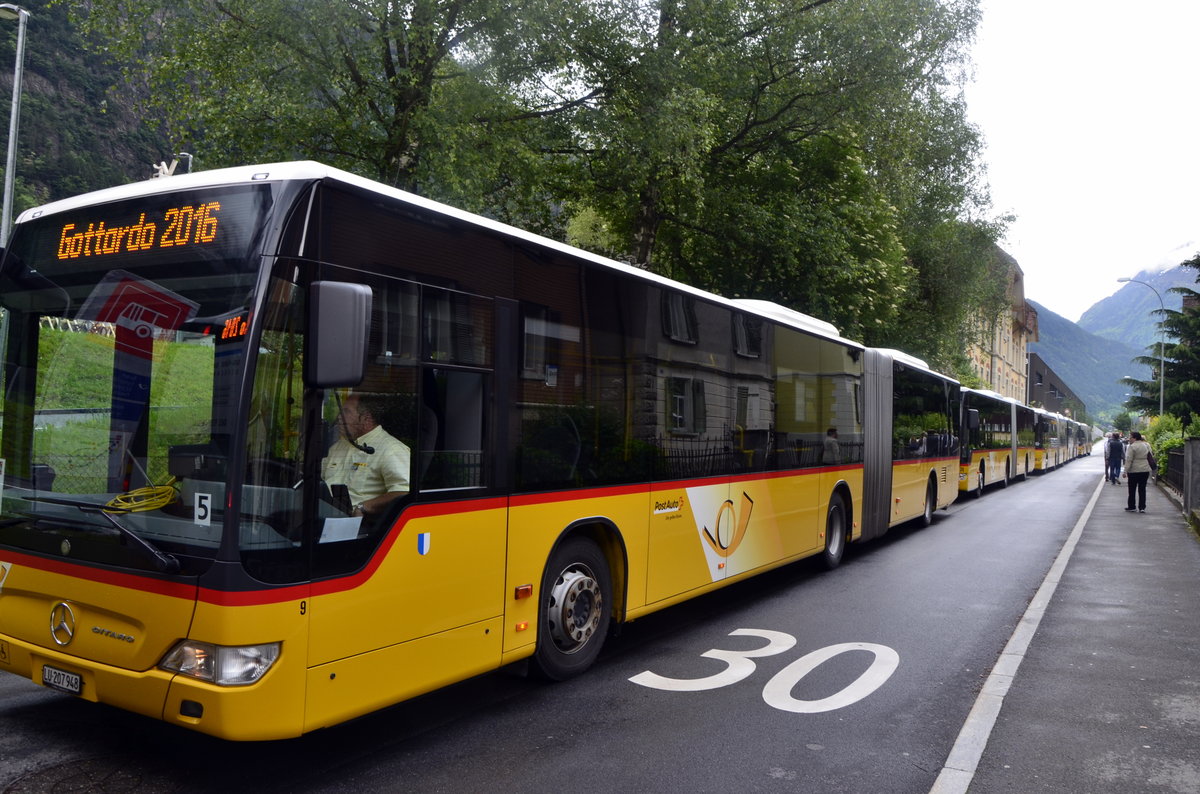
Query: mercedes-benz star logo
[{"x": 62, "y": 623}]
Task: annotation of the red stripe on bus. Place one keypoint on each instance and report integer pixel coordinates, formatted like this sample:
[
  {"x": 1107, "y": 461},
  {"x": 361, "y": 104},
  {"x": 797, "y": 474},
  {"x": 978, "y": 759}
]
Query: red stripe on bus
[
  {"x": 274, "y": 595},
  {"x": 910, "y": 461},
  {"x": 342, "y": 583},
  {"x": 81, "y": 570}
]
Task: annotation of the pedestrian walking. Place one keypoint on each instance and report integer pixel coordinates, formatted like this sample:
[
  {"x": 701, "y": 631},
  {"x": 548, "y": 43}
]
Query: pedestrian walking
[
  {"x": 1137, "y": 470},
  {"x": 1114, "y": 454}
]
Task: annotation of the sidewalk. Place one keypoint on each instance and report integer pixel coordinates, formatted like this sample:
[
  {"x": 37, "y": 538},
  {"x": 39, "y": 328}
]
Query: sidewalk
[{"x": 1107, "y": 697}]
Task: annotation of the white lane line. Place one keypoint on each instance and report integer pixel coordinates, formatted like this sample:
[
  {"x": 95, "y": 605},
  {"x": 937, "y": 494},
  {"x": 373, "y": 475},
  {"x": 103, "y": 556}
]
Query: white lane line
[{"x": 959, "y": 769}]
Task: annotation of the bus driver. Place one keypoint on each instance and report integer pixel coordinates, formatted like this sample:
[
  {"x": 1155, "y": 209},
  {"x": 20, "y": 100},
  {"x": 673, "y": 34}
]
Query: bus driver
[{"x": 369, "y": 461}]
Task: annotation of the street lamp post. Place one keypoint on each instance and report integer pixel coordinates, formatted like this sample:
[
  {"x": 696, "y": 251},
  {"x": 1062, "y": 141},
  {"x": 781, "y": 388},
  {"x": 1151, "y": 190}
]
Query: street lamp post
[
  {"x": 1162, "y": 361},
  {"x": 10, "y": 11}
]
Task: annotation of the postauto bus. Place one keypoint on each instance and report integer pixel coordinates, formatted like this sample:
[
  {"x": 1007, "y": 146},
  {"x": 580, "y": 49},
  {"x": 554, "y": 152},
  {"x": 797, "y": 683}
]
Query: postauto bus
[{"x": 583, "y": 443}]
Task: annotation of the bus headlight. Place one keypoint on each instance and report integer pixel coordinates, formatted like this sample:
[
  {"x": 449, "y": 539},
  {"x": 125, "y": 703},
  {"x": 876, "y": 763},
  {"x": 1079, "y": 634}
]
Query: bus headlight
[{"x": 220, "y": 664}]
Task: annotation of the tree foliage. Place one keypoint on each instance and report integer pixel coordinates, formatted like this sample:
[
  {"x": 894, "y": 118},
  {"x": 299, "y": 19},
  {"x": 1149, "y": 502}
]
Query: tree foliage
[
  {"x": 411, "y": 94},
  {"x": 74, "y": 136},
  {"x": 1180, "y": 360},
  {"x": 808, "y": 153},
  {"x": 811, "y": 152}
]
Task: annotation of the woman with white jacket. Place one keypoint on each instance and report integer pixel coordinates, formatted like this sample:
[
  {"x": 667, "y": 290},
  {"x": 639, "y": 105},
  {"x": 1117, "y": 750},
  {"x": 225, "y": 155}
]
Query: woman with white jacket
[{"x": 1137, "y": 469}]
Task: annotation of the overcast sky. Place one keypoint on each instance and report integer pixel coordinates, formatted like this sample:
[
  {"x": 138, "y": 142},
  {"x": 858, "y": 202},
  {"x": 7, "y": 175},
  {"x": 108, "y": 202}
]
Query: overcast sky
[{"x": 1091, "y": 114}]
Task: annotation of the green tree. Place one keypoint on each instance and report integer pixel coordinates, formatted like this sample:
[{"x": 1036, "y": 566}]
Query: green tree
[
  {"x": 790, "y": 151},
  {"x": 928, "y": 163},
  {"x": 405, "y": 93},
  {"x": 1180, "y": 361},
  {"x": 74, "y": 135},
  {"x": 815, "y": 153},
  {"x": 959, "y": 295}
]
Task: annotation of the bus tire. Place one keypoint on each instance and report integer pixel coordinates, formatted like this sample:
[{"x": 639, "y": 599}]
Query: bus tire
[
  {"x": 575, "y": 610},
  {"x": 835, "y": 533},
  {"x": 930, "y": 504},
  {"x": 977, "y": 489},
  {"x": 1007, "y": 467}
]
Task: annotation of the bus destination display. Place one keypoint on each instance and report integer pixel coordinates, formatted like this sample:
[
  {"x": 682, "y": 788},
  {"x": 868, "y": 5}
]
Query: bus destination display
[{"x": 190, "y": 225}]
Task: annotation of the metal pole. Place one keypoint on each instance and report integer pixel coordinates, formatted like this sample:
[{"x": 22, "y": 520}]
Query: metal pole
[
  {"x": 1162, "y": 360},
  {"x": 7, "y": 11},
  {"x": 1162, "y": 363}
]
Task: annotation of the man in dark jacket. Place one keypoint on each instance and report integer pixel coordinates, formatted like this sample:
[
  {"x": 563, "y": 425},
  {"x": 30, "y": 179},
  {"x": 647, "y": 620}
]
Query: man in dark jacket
[{"x": 1114, "y": 453}]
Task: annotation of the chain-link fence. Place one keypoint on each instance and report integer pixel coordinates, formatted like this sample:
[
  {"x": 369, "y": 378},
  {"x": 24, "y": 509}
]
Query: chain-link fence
[{"x": 83, "y": 474}]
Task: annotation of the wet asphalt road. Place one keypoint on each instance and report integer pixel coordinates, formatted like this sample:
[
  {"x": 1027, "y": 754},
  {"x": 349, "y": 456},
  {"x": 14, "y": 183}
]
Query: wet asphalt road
[{"x": 894, "y": 645}]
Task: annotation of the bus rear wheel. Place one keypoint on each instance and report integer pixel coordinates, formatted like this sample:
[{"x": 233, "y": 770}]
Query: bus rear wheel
[
  {"x": 930, "y": 504},
  {"x": 835, "y": 533},
  {"x": 575, "y": 610}
]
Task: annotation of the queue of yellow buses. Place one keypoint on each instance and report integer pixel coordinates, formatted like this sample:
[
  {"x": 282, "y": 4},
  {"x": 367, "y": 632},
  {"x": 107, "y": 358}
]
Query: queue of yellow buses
[
  {"x": 1005, "y": 440},
  {"x": 582, "y": 442}
]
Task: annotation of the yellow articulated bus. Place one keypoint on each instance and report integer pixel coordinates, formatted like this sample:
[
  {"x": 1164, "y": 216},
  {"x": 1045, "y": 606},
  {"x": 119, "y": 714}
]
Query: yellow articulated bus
[
  {"x": 1049, "y": 440},
  {"x": 1083, "y": 439},
  {"x": 282, "y": 446},
  {"x": 1060, "y": 440},
  {"x": 998, "y": 441}
]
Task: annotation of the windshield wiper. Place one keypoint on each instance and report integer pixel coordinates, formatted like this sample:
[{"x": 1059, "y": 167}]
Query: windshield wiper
[{"x": 165, "y": 562}]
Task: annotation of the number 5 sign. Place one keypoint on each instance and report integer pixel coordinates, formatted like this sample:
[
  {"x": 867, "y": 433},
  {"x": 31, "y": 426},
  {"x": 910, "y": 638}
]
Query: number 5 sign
[
  {"x": 202, "y": 509},
  {"x": 778, "y": 691}
]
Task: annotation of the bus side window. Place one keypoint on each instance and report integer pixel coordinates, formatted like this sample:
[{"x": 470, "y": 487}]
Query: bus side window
[{"x": 457, "y": 459}]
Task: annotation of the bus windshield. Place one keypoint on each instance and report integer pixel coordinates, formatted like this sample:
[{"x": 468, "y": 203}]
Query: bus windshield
[{"x": 123, "y": 334}]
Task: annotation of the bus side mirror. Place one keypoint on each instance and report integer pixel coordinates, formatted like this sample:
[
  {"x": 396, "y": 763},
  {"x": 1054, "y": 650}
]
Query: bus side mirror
[
  {"x": 339, "y": 325},
  {"x": 972, "y": 418}
]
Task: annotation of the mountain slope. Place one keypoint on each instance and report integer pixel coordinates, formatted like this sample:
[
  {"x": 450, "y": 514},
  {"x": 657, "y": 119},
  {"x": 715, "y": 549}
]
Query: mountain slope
[
  {"x": 1130, "y": 315},
  {"x": 1090, "y": 365}
]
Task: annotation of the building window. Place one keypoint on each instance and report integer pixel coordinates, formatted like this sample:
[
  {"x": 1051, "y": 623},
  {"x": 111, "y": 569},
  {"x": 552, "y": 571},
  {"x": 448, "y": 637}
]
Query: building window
[
  {"x": 747, "y": 336},
  {"x": 685, "y": 405},
  {"x": 679, "y": 317}
]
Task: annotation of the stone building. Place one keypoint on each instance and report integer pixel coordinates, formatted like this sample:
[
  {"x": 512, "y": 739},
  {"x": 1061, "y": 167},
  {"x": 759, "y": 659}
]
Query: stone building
[{"x": 1000, "y": 359}]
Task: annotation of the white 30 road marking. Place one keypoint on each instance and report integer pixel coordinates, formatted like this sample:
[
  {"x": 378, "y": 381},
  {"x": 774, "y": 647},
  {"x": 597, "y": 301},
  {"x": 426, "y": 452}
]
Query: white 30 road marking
[
  {"x": 740, "y": 666},
  {"x": 778, "y": 691}
]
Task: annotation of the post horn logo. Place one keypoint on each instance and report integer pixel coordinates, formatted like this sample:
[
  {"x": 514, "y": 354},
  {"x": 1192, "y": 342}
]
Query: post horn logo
[
  {"x": 62, "y": 623},
  {"x": 728, "y": 537}
]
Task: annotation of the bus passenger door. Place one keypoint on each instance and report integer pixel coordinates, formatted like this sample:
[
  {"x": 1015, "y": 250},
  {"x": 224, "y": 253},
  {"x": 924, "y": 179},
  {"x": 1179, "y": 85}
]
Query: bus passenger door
[{"x": 411, "y": 598}]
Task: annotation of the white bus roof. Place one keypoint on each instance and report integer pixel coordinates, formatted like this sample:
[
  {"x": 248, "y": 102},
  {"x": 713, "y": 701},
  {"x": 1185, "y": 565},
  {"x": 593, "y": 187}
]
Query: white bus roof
[
  {"x": 914, "y": 362},
  {"x": 994, "y": 394},
  {"x": 309, "y": 170},
  {"x": 788, "y": 316}
]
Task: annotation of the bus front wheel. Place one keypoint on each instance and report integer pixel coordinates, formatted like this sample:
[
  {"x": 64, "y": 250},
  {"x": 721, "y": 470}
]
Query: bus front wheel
[{"x": 575, "y": 610}]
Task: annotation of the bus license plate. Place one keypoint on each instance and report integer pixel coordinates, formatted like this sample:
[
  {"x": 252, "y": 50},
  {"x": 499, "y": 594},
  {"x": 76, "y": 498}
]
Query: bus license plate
[{"x": 62, "y": 680}]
